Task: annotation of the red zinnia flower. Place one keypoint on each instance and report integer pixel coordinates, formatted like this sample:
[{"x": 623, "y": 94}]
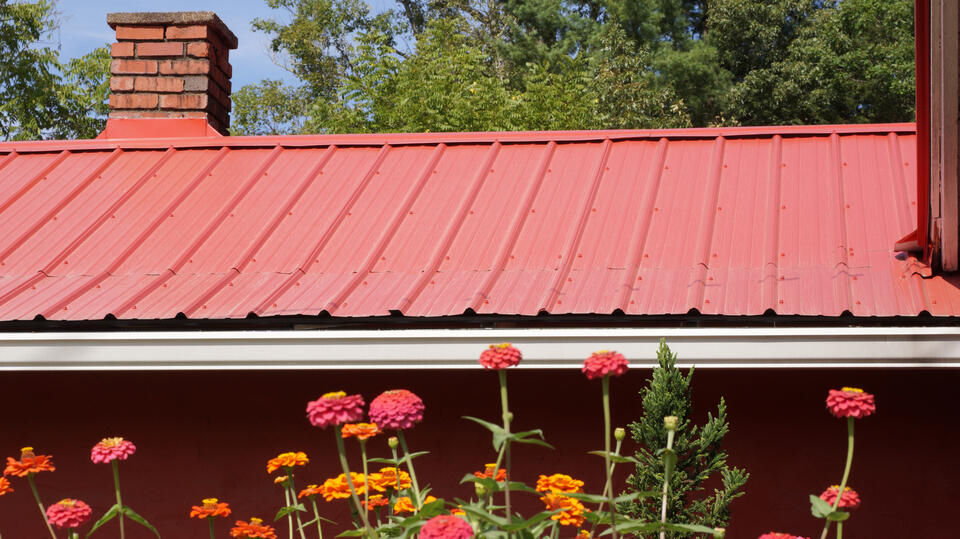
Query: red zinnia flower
[
  {"x": 376, "y": 500},
  {"x": 68, "y": 513},
  {"x": 5, "y": 486},
  {"x": 254, "y": 530},
  {"x": 335, "y": 409},
  {"x": 446, "y": 527},
  {"x": 211, "y": 508},
  {"x": 500, "y": 356},
  {"x": 396, "y": 409},
  {"x": 850, "y": 402},
  {"x": 28, "y": 464},
  {"x": 776, "y": 535},
  {"x": 604, "y": 363},
  {"x": 849, "y": 500},
  {"x": 110, "y": 449}
]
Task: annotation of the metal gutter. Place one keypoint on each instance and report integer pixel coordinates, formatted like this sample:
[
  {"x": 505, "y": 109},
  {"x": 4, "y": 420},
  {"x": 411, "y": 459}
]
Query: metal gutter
[{"x": 849, "y": 347}]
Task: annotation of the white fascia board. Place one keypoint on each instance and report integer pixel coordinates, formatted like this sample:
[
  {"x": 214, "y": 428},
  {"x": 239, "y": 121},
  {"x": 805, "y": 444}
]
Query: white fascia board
[{"x": 888, "y": 347}]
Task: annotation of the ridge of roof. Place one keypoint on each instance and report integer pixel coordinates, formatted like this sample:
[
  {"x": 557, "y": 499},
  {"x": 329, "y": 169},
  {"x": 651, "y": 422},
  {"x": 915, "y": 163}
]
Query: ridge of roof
[{"x": 488, "y": 137}]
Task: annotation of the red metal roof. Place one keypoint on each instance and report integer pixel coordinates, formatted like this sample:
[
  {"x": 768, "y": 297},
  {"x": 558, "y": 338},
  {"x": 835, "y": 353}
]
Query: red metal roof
[{"x": 793, "y": 220}]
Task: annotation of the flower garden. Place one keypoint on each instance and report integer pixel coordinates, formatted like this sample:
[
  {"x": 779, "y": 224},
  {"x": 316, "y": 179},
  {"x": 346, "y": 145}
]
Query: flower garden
[{"x": 378, "y": 481}]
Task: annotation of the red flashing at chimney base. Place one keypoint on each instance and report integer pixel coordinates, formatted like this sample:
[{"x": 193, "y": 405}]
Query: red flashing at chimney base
[{"x": 171, "y": 66}]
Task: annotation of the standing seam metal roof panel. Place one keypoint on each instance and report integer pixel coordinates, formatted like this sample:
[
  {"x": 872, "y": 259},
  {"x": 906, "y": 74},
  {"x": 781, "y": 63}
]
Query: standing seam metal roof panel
[{"x": 740, "y": 221}]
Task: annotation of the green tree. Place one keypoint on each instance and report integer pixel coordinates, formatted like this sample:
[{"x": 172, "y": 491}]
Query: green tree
[
  {"x": 39, "y": 96},
  {"x": 698, "y": 448}
]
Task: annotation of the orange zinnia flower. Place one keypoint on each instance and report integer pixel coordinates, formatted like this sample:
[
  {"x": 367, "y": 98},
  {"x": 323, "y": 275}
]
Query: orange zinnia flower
[
  {"x": 584, "y": 534},
  {"x": 487, "y": 473},
  {"x": 458, "y": 510},
  {"x": 559, "y": 482},
  {"x": 387, "y": 478},
  {"x": 5, "y": 486},
  {"x": 311, "y": 490},
  {"x": 361, "y": 430},
  {"x": 405, "y": 504},
  {"x": 338, "y": 488},
  {"x": 280, "y": 479},
  {"x": 28, "y": 464},
  {"x": 254, "y": 530},
  {"x": 287, "y": 460},
  {"x": 376, "y": 500},
  {"x": 572, "y": 514},
  {"x": 211, "y": 508}
]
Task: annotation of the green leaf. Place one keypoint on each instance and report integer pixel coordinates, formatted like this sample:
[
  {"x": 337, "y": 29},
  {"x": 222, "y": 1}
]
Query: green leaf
[
  {"x": 139, "y": 519},
  {"x": 379, "y": 460},
  {"x": 819, "y": 507},
  {"x": 619, "y": 459},
  {"x": 284, "y": 511},
  {"x": 485, "y": 516},
  {"x": 352, "y": 533},
  {"x": 838, "y": 516},
  {"x": 105, "y": 518},
  {"x": 596, "y": 498},
  {"x": 669, "y": 458},
  {"x": 498, "y": 433}
]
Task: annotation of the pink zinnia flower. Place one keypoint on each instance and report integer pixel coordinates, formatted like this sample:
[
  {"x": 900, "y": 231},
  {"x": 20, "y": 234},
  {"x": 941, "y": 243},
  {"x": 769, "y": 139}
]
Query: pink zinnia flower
[
  {"x": 775, "y": 535},
  {"x": 446, "y": 527},
  {"x": 68, "y": 513},
  {"x": 500, "y": 356},
  {"x": 604, "y": 363},
  {"x": 850, "y": 402},
  {"x": 110, "y": 449},
  {"x": 396, "y": 409},
  {"x": 335, "y": 409},
  {"x": 849, "y": 500}
]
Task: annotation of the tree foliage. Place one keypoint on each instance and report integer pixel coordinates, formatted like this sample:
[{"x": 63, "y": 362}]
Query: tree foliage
[
  {"x": 698, "y": 449},
  {"x": 41, "y": 97},
  {"x": 438, "y": 65}
]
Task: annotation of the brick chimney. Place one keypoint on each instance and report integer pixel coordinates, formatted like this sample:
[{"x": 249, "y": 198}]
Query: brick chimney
[{"x": 172, "y": 66}]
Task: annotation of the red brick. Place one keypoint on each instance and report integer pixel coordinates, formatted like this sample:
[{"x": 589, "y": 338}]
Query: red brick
[
  {"x": 121, "y": 84},
  {"x": 139, "y": 33},
  {"x": 133, "y": 101},
  {"x": 158, "y": 84},
  {"x": 119, "y": 50},
  {"x": 134, "y": 67},
  {"x": 198, "y": 31},
  {"x": 184, "y": 101},
  {"x": 184, "y": 67},
  {"x": 200, "y": 49},
  {"x": 158, "y": 114},
  {"x": 159, "y": 49}
]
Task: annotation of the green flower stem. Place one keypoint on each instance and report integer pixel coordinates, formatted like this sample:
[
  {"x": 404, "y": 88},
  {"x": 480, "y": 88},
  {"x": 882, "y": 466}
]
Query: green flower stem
[
  {"x": 43, "y": 513},
  {"x": 293, "y": 500},
  {"x": 353, "y": 490},
  {"x": 496, "y": 468},
  {"x": 666, "y": 485},
  {"x": 607, "y": 488},
  {"x": 286, "y": 499},
  {"x": 502, "y": 375},
  {"x": 116, "y": 487},
  {"x": 413, "y": 474},
  {"x": 396, "y": 466},
  {"x": 839, "y": 530},
  {"x": 316, "y": 514},
  {"x": 366, "y": 491},
  {"x": 606, "y": 455},
  {"x": 843, "y": 482},
  {"x": 210, "y": 522}
]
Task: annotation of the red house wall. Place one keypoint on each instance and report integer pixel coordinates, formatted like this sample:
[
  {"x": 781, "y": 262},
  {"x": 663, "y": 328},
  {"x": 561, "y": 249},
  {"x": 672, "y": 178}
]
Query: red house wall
[{"x": 203, "y": 434}]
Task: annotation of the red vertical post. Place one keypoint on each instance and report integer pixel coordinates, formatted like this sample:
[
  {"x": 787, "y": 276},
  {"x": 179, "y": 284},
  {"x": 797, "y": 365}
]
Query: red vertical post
[{"x": 921, "y": 12}]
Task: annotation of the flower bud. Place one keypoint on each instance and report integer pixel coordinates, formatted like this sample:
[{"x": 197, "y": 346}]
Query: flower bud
[
  {"x": 718, "y": 533},
  {"x": 393, "y": 442},
  {"x": 670, "y": 422},
  {"x": 26, "y": 453},
  {"x": 619, "y": 434},
  {"x": 480, "y": 489}
]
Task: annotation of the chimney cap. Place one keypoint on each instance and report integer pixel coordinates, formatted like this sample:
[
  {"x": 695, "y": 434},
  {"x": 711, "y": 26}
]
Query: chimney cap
[{"x": 171, "y": 18}]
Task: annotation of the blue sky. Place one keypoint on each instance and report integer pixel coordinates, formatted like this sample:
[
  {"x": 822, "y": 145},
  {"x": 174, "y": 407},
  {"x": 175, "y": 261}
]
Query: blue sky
[{"x": 84, "y": 27}]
